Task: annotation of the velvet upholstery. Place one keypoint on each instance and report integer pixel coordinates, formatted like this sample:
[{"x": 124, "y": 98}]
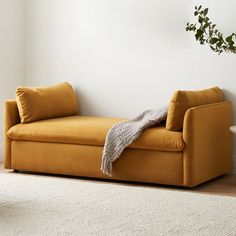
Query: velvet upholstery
[
  {"x": 208, "y": 142},
  {"x": 46, "y": 102},
  {"x": 206, "y": 153},
  {"x": 92, "y": 130},
  {"x": 11, "y": 118},
  {"x": 85, "y": 160},
  {"x": 183, "y": 100}
]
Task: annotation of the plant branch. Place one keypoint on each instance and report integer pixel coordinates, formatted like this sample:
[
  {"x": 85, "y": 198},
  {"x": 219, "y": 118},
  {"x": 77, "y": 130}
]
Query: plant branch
[{"x": 206, "y": 33}]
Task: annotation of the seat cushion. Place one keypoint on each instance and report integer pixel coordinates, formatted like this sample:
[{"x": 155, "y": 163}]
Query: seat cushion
[{"x": 89, "y": 130}]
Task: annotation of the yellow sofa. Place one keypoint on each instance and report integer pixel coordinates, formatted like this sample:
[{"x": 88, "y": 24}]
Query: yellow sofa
[{"x": 73, "y": 145}]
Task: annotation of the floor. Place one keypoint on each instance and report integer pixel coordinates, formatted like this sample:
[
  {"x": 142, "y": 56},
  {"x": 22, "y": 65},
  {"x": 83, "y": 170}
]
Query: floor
[{"x": 225, "y": 185}]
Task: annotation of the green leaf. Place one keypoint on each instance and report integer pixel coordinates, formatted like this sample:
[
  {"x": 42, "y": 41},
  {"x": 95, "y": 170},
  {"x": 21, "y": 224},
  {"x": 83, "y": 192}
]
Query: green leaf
[
  {"x": 219, "y": 44},
  {"x": 200, "y": 19},
  {"x": 195, "y": 13},
  {"x": 214, "y": 40},
  {"x": 229, "y": 39},
  {"x": 206, "y": 25},
  {"x": 199, "y": 31},
  {"x": 205, "y": 11}
]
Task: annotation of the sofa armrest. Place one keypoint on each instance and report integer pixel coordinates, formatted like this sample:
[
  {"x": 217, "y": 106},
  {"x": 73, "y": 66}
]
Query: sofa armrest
[
  {"x": 11, "y": 118},
  {"x": 208, "y": 142}
]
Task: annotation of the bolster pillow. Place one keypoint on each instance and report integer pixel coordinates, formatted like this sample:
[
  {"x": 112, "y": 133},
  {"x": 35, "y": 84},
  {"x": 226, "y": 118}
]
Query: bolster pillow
[
  {"x": 183, "y": 100},
  {"x": 46, "y": 102}
]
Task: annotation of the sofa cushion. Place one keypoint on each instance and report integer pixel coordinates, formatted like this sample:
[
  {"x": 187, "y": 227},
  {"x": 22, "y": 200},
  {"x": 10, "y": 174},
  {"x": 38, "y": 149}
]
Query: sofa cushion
[
  {"x": 92, "y": 131},
  {"x": 46, "y": 102},
  {"x": 183, "y": 100}
]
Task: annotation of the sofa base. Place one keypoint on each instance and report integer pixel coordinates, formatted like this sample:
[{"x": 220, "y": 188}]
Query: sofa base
[{"x": 84, "y": 160}]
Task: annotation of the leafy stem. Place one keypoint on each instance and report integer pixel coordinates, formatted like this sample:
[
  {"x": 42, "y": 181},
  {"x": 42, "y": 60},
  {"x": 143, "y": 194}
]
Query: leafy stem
[{"x": 206, "y": 33}]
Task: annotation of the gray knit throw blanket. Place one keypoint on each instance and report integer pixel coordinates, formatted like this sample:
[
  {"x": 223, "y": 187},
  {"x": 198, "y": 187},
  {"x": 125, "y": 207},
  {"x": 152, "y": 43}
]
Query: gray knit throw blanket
[{"x": 122, "y": 134}]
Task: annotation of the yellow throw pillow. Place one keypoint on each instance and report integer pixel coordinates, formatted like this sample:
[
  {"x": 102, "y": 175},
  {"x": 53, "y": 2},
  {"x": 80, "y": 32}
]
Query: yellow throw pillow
[
  {"x": 46, "y": 102},
  {"x": 183, "y": 100}
]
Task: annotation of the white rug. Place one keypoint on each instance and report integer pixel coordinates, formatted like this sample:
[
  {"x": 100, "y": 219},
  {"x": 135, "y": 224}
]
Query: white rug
[{"x": 45, "y": 205}]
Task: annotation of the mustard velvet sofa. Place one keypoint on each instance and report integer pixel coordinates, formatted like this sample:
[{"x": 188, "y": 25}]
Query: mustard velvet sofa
[{"x": 73, "y": 145}]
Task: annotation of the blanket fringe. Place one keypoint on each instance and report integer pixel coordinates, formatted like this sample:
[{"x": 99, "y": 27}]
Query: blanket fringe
[{"x": 106, "y": 167}]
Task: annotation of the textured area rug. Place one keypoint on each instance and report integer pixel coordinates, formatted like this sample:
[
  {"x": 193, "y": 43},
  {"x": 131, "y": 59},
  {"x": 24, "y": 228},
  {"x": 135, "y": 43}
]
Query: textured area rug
[{"x": 46, "y": 205}]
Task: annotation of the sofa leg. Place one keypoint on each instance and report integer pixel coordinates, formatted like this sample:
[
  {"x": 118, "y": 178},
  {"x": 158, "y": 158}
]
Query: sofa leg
[{"x": 16, "y": 171}]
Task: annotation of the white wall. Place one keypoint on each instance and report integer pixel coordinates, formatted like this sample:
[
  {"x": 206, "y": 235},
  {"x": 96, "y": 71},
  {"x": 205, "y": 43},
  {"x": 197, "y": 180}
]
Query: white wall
[
  {"x": 125, "y": 56},
  {"x": 11, "y": 52}
]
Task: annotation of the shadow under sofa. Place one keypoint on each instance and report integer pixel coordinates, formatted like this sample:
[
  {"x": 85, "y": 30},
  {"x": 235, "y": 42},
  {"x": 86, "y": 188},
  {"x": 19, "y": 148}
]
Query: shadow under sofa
[{"x": 73, "y": 146}]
